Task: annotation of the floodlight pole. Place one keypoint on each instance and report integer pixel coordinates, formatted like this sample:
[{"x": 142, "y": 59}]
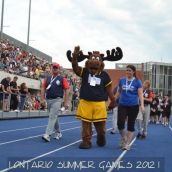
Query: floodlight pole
[
  {"x": 2, "y": 19},
  {"x": 28, "y": 31}
]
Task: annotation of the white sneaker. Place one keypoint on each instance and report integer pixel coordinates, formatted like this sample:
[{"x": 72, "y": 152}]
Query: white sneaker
[
  {"x": 122, "y": 142},
  {"x": 126, "y": 147},
  {"x": 58, "y": 136},
  {"x": 46, "y": 137},
  {"x": 16, "y": 110}
]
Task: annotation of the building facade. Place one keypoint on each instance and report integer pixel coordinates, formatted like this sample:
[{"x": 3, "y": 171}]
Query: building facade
[{"x": 159, "y": 74}]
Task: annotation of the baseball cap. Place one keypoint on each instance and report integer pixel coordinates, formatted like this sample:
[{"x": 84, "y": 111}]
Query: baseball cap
[{"x": 56, "y": 65}]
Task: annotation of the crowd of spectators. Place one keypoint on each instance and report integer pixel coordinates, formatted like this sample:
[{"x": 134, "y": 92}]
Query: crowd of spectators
[
  {"x": 15, "y": 60},
  {"x": 160, "y": 109}
]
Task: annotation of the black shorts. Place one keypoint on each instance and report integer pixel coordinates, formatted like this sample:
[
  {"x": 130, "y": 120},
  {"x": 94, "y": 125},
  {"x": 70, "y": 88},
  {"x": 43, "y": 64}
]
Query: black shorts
[
  {"x": 153, "y": 113},
  {"x": 129, "y": 112}
]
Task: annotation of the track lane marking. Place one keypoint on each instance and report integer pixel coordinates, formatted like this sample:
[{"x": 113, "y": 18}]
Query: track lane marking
[
  {"x": 31, "y": 137},
  {"x": 45, "y": 154},
  {"x": 170, "y": 127},
  {"x": 115, "y": 164},
  {"x": 20, "y": 129}
]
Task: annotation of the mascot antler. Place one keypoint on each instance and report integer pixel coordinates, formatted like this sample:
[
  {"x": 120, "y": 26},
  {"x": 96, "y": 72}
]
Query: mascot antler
[
  {"x": 80, "y": 58},
  {"x": 114, "y": 55}
]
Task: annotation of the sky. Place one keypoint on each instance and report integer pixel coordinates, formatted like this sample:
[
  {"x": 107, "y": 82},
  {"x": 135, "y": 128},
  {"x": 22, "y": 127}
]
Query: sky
[{"x": 142, "y": 28}]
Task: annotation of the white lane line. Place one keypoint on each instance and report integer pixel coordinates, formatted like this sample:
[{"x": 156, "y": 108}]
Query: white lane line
[
  {"x": 31, "y": 137},
  {"x": 19, "y": 129},
  {"x": 116, "y": 163},
  {"x": 170, "y": 127},
  {"x": 45, "y": 154}
]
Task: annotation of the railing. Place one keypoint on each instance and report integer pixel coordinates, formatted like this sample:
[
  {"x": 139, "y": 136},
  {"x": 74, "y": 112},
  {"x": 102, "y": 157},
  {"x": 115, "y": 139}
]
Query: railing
[{"x": 25, "y": 106}]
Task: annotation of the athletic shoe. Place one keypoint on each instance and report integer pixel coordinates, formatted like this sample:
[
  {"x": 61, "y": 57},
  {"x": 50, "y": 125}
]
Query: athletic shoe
[
  {"x": 126, "y": 147},
  {"x": 164, "y": 124},
  {"x": 16, "y": 110},
  {"x": 143, "y": 136},
  {"x": 122, "y": 142},
  {"x": 112, "y": 132},
  {"x": 139, "y": 136},
  {"x": 46, "y": 137},
  {"x": 58, "y": 135}
]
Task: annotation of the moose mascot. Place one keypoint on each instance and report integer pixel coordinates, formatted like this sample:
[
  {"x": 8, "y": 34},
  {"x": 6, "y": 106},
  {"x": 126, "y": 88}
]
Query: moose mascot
[{"x": 96, "y": 87}]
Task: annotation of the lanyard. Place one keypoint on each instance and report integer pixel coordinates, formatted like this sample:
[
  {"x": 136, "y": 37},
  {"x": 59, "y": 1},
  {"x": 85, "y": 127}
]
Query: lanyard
[
  {"x": 49, "y": 86},
  {"x": 129, "y": 85},
  {"x": 144, "y": 92},
  {"x": 52, "y": 80}
]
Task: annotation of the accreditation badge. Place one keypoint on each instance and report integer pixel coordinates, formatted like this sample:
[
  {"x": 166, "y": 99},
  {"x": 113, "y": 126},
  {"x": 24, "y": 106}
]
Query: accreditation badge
[
  {"x": 93, "y": 81},
  {"x": 49, "y": 86}
]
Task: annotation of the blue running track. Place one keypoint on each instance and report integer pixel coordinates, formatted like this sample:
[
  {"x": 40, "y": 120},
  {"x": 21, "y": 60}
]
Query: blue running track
[{"x": 22, "y": 149}]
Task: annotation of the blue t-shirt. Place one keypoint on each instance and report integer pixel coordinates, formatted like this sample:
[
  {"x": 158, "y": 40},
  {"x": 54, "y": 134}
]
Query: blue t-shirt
[{"x": 129, "y": 92}]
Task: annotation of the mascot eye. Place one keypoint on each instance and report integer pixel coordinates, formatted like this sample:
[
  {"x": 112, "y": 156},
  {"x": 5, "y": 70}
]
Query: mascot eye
[
  {"x": 93, "y": 58},
  {"x": 97, "y": 58}
]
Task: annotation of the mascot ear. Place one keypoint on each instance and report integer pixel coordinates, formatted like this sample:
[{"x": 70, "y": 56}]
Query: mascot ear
[
  {"x": 89, "y": 53},
  {"x": 102, "y": 55},
  {"x": 114, "y": 55}
]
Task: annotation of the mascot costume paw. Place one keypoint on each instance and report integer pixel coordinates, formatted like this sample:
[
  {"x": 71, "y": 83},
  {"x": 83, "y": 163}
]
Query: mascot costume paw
[{"x": 96, "y": 87}]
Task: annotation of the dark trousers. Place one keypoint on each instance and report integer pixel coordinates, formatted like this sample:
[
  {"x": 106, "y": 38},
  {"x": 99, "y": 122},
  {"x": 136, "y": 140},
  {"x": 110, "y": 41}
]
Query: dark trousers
[
  {"x": 14, "y": 102},
  {"x": 129, "y": 112}
]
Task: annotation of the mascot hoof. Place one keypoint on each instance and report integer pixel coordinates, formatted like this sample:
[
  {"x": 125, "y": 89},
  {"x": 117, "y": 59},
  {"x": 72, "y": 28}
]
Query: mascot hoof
[
  {"x": 85, "y": 145},
  {"x": 101, "y": 140}
]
